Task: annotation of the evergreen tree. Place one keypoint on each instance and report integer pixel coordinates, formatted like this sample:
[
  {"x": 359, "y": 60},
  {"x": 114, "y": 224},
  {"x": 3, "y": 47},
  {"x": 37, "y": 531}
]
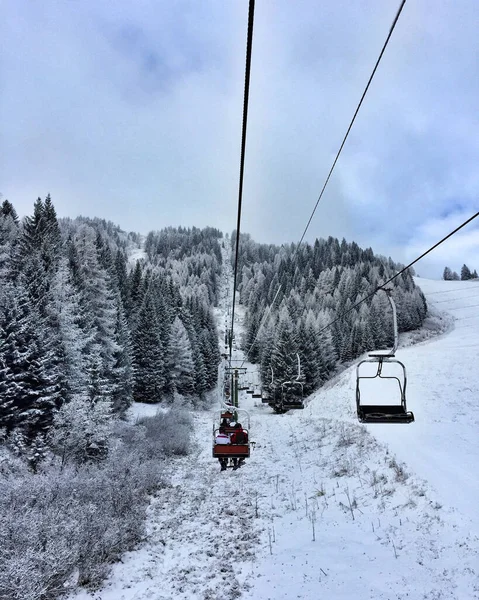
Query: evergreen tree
[
  {"x": 51, "y": 242},
  {"x": 135, "y": 293},
  {"x": 82, "y": 430},
  {"x": 30, "y": 384},
  {"x": 69, "y": 340},
  {"x": 149, "y": 355},
  {"x": 447, "y": 275},
  {"x": 123, "y": 369},
  {"x": 98, "y": 309},
  {"x": 283, "y": 358},
  {"x": 7, "y": 210},
  {"x": 9, "y": 232},
  {"x": 310, "y": 353},
  {"x": 180, "y": 360},
  {"x": 465, "y": 273}
]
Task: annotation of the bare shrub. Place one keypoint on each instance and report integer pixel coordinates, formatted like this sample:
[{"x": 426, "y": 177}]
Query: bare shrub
[
  {"x": 169, "y": 433},
  {"x": 343, "y": 468},
  {"x": 65, "y": 525},
  {"x": 400, "y": 474},
  {"x": 377, "y": 482},
  {"x": 82, "y": 430},
  {"x": 347, "y": 436}
]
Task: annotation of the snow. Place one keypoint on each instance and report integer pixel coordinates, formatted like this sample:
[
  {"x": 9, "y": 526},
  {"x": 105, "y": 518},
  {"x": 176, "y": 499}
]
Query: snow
[
  {"x": 140, "y": 410},
  {"x": 326, "y": 507},
  {"x": 135, "y": 254}
]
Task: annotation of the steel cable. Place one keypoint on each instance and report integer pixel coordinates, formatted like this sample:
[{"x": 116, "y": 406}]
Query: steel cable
[{"x": 249, "y": 47}]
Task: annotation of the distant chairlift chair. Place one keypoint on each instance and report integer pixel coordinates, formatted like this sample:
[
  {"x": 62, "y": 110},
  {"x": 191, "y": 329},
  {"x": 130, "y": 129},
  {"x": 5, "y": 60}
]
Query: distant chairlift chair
[
  {"x": 291, "y": 394},
  {"x": 384, "y": 413},
  {"x": 257, "y": 393}
]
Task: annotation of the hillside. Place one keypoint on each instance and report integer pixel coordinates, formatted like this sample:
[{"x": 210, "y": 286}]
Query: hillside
[{"x": 326, "y": 507}]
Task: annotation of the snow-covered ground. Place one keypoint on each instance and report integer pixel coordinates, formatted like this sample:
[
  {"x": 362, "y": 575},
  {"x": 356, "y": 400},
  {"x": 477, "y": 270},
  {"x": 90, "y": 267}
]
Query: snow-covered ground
[
  {"x": 325, "y": 507},
  {"x": 136, "y": 253}
]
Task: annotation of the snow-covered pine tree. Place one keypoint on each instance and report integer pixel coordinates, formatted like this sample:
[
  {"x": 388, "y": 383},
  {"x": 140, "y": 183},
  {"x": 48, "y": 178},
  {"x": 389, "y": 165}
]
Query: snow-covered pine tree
[
  {"x": 180, "y": 360},
  {"x": 9, "y": 232},
  {"x": 310, "y": 352},
  {"x": 286, "y": 345},
  {"x": 123, "y": 367},
  {"x": 82, "y": 430},
  {"x": 7, "y": 210},
  {"x": 99, "y": 308},
  {"x": 69, "y": 340},
  {"x": 465, "y": 273},
  {"x": 149, "y": 355},
  {"x": 26, "y": 366}
]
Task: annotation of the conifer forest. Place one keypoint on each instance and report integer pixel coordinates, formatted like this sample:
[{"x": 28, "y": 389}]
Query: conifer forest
[
  {"x": 81, "y": 321},
  {"x": 94, "y": 319}
]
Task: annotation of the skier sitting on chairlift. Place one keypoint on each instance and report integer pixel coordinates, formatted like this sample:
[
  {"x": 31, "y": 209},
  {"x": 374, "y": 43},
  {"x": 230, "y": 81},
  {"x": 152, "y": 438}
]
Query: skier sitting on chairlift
[
  {"x": 222, "y": 437},
  {"x": 239, "y": 436}
]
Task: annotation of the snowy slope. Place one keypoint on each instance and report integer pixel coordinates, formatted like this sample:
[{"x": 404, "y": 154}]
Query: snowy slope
[
  {"x": 137, "y": 253},
  {"x": 443, "y": 383},
  {"x": 325, "y": 507}
]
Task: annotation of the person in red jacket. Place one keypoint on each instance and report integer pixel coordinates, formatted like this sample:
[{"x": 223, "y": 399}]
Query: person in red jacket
[{"x": 239, "y": 436}]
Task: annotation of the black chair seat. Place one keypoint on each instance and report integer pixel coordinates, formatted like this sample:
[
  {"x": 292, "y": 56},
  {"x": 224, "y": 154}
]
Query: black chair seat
[{"x": 383, "y": 413}]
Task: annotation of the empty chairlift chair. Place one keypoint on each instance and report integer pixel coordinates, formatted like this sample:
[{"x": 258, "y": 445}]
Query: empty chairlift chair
[
  {"x": 383, "y": 367},
  {"x": 292, "y": 395},
  {"x": 257, "y": 392}
]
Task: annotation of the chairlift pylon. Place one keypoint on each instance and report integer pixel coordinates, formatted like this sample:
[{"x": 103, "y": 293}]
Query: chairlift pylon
[{"x": 384, "y": 413}]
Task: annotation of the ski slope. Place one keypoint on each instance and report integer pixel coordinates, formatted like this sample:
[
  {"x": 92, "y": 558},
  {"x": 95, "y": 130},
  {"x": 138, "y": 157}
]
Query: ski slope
[{"x": 326, "y": 507}]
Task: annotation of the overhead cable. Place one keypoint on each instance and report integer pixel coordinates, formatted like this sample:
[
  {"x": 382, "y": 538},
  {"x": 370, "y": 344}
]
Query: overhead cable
[
  {"x": 262, "y": 322},
  {"x": 249, "y": 46},
  {"x": 383, "y": 285},
  {"x": 391, "y": 29},
  {"x": 353, "y": 119}
]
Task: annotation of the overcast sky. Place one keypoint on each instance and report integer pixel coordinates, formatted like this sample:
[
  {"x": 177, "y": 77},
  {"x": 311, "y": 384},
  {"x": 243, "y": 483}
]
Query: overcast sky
[{"x": 131, "y": 111}]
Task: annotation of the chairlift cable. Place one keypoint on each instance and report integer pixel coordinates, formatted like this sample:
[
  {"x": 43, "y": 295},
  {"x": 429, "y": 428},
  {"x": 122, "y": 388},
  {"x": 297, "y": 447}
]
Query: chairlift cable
[
  {"x": 396, "y": 18},
  {"x": 391, "y": 29},
  {"x": 342, "y": 315},
  {"x": 262, "y": 322},
  {"x": 249, "y": 46}
]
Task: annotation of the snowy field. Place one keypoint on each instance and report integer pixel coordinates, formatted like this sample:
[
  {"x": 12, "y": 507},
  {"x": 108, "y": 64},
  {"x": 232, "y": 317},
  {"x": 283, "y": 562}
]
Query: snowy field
[{"x": 326, "y": 507}]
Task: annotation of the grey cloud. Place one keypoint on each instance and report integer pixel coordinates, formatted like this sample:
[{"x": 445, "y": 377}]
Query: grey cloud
[{"x": 132, "y": 111}]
